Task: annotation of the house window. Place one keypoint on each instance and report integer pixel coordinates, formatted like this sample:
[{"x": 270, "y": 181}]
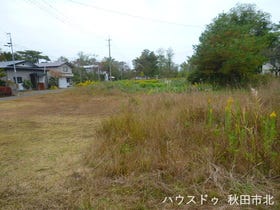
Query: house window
[
  {"x": 68, "y": 80},
  {"x": 19, "y": 79},
  {"x": 65, "y": 68}
]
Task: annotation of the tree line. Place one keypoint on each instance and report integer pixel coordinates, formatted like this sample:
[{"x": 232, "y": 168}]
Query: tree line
[
  {"x": 231, "y": 51},
  {"x": 147, "y": 65},
  {"x": 32, "y": 56}
]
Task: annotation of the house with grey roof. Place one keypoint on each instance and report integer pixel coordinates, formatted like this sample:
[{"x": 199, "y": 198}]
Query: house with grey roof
[
  {"x": 62, "y": 71},
  {"x": 269, "y": 68},
  {"x": 18, "y": 71}
]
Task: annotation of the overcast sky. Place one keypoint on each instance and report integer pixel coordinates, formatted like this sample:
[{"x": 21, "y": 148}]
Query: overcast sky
[{"x": 66, "y": 27}]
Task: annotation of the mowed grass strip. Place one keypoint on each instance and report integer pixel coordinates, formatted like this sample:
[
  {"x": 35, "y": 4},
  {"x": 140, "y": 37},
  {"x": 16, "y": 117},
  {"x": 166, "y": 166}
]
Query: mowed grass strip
[{"x": 42, "y": 142}]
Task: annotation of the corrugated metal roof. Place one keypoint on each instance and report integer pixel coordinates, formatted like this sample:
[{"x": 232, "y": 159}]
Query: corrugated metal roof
[
  {"x": 53, "y": 64},
  {"x": 5, "y": 64}
]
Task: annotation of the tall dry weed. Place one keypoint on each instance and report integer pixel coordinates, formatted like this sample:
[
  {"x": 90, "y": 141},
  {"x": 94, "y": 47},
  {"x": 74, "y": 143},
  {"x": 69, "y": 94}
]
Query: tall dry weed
[{"x": 215, "y": 142}]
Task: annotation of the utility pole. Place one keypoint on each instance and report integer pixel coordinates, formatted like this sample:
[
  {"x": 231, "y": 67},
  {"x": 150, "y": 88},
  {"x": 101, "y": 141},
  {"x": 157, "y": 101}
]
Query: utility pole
[
  {"x": 10, "y": 44},
  {"x": 110, "y": 65},
  {"x": 98, "y": 70}
]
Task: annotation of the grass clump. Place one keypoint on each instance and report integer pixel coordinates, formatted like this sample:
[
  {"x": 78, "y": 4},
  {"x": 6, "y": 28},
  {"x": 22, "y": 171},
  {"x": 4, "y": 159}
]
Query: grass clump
[
  {"x": 198, "y": 143},
  {"x": 151, "y": 86}
]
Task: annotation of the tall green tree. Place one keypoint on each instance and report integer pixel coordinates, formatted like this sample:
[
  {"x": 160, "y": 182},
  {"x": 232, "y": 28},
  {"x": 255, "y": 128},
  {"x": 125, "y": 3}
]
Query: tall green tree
[
  {"x": 62, "y": 59},
  {"x": 231, "y": 49},
  {"x": 166, "y": 65},
  {"x": 119, "y": 69},
  {"x": 27, "y": 55},
  {"x": 84, "y": 59},
  {"x": 31, "y": 56},
  {"x": 147, "y": 64},
  {"x": 80, "y": 74},
  {"x": 185, "y": 69},
  {"x": 105, "y": 66},
  {"x": 161, "y": 61},
  {"x": 6, "y": 56}
]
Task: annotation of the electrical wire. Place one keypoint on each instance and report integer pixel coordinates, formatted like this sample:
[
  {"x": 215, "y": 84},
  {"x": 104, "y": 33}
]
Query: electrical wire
[
  {"x": 53, "y": 12},
  {"x": 134, "y": 16},
  {"x": 59, "y": 16},
  {"x": 46, "y": 10}
]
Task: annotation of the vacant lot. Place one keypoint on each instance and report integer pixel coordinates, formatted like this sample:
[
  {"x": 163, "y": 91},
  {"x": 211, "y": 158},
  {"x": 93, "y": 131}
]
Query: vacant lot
[
  {"x": 42, "y": 141},
  {"x": 104, "y": 148}
]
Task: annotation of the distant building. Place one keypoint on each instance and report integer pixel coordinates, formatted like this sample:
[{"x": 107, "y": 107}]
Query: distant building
[
  {"x": 24, "y": 71},
  {"x": 96, "y": 69},
  {"x": 60, "y": 70},
  {"x": 268, "y": 68},
  {"x": 91, "y": 68},
  {"x": 37, "y": 74}
]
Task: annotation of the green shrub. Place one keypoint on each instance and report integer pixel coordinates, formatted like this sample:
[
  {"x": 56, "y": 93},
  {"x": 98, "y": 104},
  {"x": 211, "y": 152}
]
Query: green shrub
[
  {"x": 53, "y": 82},
  {"x": 27, "y": 84},
  {"x": 2, "y": 83}
]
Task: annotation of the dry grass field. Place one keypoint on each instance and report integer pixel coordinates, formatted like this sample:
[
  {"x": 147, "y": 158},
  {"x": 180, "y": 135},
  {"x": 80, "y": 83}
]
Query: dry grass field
[
  {"x": 111, "y": 150},
  {"x": 42, "y": 141}
]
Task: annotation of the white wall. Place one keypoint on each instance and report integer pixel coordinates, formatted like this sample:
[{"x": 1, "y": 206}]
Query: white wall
[
  {"x": 62, "y": 82},
  {"x": 42, "y": 79},
  {"x": 65, "y": 72},
  {"x": 266, "y": 68}
]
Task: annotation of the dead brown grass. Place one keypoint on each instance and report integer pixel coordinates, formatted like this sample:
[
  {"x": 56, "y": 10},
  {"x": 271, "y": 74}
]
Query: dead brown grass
[
  {"x": 160, "y": 145},
  {"x": 79, "y": 150},
  {"x": 43, "y": 139}
]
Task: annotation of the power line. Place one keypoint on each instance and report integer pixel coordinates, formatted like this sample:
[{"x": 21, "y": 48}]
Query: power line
[
  {"x": 10, "y": 44},
  {"x": 46, "y": 10},
  {"x": 56, "y": 10},
  {"x": 110, "y": 60},
  {"x": 55, "y": 13},
  {"x": 134, "y": 16}
]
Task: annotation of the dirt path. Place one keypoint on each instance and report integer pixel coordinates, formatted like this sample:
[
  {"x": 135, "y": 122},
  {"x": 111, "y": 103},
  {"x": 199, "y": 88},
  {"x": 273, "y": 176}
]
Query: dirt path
[{"x": 31, "y": 93}]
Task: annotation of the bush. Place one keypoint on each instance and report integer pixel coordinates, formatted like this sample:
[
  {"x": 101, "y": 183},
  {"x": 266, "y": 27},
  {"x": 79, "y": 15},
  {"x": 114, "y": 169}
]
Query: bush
[
  {"x": 133, "y": 86},
  {"x": 53, "y": 82},
  {"x": 86, "y": 83},
  {"x": 27, "y": 84},
  {"x": 195, "y": 77},
  {"x": 259, "y": 79},
  {"x": 54, "y": 87},
  {"x": 2, "y": 83}
]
